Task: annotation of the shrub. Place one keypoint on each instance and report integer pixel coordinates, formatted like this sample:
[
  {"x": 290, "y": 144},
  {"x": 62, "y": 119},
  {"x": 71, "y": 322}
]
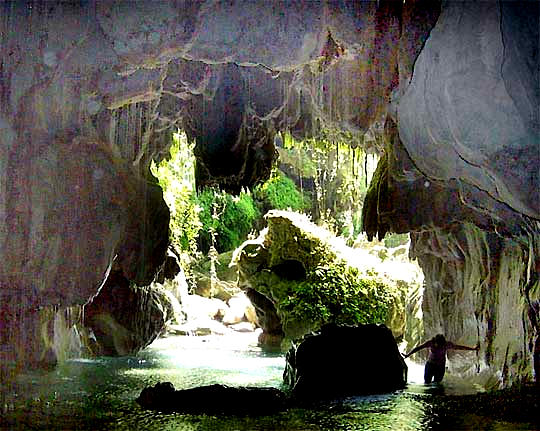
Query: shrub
[
  {"x": 229, "y": 218},
  {"x": 176, "y": 177},
  {"x": 280, "y": 192}
]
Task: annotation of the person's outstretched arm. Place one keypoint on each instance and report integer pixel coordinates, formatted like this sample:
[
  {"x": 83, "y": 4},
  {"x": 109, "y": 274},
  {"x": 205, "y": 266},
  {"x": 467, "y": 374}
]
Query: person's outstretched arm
[
  {"x": 418, "y": 348},
  {"x": 460, "y": 347}
]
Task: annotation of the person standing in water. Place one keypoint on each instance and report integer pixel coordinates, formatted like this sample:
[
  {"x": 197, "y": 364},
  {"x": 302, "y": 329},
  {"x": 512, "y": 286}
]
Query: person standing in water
[{"x": 436, "y": 363}]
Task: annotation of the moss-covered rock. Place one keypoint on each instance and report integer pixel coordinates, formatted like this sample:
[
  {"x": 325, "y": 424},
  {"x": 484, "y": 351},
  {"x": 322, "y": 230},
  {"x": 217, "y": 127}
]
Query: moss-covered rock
[{"x": 312, "y": 278}]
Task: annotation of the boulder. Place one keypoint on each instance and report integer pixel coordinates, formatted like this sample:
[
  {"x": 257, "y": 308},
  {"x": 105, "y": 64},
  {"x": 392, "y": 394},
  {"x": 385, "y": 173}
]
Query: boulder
[
  {"x": 267, "y": 318},
  {"x": 343, "y": 360},
  {"x": 240, "y": 309},
  {"x": 292, "y": 253},
  {"x": 126, "y": 318},
  {"x": 242, "y": 327},
  {"x": 198, "y": 306},
  {"x": 212, "y": 399}
]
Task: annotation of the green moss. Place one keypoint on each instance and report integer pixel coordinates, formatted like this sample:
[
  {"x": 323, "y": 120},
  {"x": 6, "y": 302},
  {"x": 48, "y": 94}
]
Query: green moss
[{"x": 339, "y": 293}]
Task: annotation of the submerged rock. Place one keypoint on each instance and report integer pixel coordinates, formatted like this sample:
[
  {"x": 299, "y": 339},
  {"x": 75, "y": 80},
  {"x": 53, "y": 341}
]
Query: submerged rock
[
  {"x": 212, "y": 399},
  {"x": 345, "y": 360}
]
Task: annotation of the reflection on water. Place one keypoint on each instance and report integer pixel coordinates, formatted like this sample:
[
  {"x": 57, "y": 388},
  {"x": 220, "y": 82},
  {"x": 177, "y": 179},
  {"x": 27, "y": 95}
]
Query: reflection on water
[{"x": 99, "y": 394}]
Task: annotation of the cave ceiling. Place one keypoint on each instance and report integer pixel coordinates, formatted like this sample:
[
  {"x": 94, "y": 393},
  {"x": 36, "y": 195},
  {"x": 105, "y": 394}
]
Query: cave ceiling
[{"x": 457, "y": 81}]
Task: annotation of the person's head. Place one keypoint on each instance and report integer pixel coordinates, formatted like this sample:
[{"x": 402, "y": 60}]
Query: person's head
[{"x": 439, "y": 340}]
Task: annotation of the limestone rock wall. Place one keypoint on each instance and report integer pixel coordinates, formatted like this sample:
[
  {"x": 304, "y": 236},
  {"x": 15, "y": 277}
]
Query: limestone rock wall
[
  {"x": 460, "y": 171},
  {"x": 125, "y": 318},
  {"x": 481, "y": 288},
  {"x": 472, "y": 103}
]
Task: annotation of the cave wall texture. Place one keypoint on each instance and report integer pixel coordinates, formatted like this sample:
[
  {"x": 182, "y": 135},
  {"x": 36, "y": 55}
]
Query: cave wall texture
[{"x": 91, "y": 92}]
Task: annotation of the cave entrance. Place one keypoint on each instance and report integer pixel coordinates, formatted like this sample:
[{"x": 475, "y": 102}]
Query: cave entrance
[{"x": 326, "y": 180}]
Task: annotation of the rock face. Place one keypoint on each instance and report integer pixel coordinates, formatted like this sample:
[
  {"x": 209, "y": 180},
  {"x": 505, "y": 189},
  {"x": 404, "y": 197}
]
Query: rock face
[
  {"x": 472, "y": 206},
  {"x": 213, "y": 399},
  {"x": 481, "y": 288},
  {"x": 125, "y": 318},
  {"x": 342, "y": 361},
  {"x": 90, "y": 93},
  {"x": 474, "y": 97},
  {"x": 267, "y": 318}
]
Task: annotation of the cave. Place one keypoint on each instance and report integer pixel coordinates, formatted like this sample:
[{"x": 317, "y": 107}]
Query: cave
[{"x": 445, "y": 93}]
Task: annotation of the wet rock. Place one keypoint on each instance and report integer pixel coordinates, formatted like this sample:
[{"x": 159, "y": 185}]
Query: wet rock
[
  {"x": 343, "y": 360},
  {"x": 170, "y": 268},
  {"x": 243, "y": 327},
  {"x": 213, "y": 399},
  {"x": 198, "y": 307},
  {"x": 240, "y": 308},
  {"x": 125, "y": 318},
  {"x": 466, "y": 263},
  {"x": 267, "y": 318}
]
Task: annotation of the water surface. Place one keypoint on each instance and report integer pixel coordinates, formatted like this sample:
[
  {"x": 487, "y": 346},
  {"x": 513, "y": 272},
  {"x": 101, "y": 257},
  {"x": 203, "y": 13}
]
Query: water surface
[{"x": 99, "y": 394}]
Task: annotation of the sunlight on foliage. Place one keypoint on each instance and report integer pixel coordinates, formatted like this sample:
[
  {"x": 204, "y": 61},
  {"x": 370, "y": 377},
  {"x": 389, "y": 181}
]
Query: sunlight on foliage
[
  {"x": 339, "y": 293},
  {"x": 280, "y": 192},
  {"x": 334, "y": 174},
  {"x": 230, "y": 217},
  {"x": 177, "y": 178}
]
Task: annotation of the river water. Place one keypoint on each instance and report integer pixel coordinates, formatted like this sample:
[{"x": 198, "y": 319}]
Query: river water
[{"x": 99, "y": 394}]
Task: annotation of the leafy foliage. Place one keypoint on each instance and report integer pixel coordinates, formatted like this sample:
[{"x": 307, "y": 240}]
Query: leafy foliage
[
  {"x": 177, "y": 179},
  {"x": 229, "y": 219},
  {"x": 336, "y": 171},
  {"x": 338, "y": 293},
  {"x": 280, "y": 192}
]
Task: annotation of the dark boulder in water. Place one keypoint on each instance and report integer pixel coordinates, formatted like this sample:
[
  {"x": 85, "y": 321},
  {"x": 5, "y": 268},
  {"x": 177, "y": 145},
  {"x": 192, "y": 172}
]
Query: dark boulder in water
[
  {"x": 212, "y": 399},
  {"x": 345, "y": 360}
]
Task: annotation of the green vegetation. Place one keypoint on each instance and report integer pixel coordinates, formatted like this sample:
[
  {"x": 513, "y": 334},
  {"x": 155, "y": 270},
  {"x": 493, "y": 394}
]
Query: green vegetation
[
  {"x": 177, "y": 179},
  {"x": 392, "y": 240},
  {"x": 324, "y": 182},
  {"x": 225, "y": 220},
  {"x": 338, "y": 293},
  {"x": 334, "y": 173},
  {"x": 329, "y": 185},
  {"x": 280, "y": 192}
]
